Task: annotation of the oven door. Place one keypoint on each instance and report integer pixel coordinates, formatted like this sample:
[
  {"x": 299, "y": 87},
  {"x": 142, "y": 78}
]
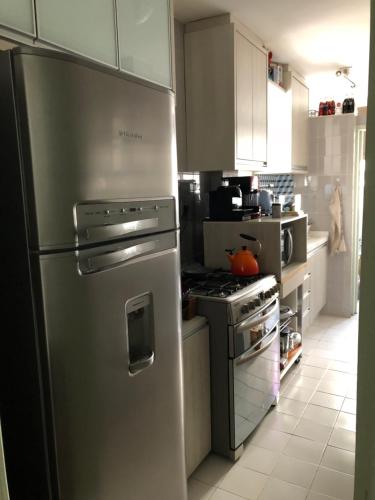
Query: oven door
[
  {"x": 255, "y": 377},
  {"x": 250, "y": 332}
]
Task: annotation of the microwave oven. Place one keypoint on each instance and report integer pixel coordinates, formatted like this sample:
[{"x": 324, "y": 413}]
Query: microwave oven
[{"x": 286, "y": 245}]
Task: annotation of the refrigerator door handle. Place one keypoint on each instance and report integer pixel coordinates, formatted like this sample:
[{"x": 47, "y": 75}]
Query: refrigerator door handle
[
  {"x": 103, "y": 261},
  {"x": 109, "y": 231},
  {"x": 142, "y": 363}
]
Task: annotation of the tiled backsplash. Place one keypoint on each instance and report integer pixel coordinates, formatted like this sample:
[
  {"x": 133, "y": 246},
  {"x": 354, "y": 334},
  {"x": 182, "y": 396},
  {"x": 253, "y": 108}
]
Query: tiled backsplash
[{"x": 279, "y": 184}]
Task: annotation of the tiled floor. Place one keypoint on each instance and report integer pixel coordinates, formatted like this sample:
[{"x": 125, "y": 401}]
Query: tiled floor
[{"x": 304, "y": 448}]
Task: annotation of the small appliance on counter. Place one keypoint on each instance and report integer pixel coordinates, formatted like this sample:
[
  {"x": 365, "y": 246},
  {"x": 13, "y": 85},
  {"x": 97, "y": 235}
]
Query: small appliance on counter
[
  {"x": 225, "y": 204},
  {"x": 243, "y": 262}
]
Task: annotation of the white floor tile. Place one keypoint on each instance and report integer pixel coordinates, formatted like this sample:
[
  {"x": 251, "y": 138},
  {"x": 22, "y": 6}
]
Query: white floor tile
[
  {"x": 298, "y": 393},
  {"x": 349, "y": 406},
  {"x": 270, "y": 439},
  {"x": 280, "y": 422},
  {"x": 312, "y": 371},
  {"x": 198, "y": 490},
  {"x": 313, "y": 495},
  {"x": 244, "y": 482},
  {"x": 325, "y": 416},
  {"x": 294, "y": 471},
  {"x": 341, "y": 438},
  {"x": 346, "y": 421},
  {"x": 338, "y": 459},
  {"x": 290, "y": 407},
  {"x": 316, "y": 362},
  {"x": 305, "y": 382},
  {"x": 313, "y": 430},
  {"x": 333, "y": 387},
  {"x": 334, "y": 484},
  {"x": 280, "y": 490},
  {"x": 259, "y": 459},
  {"x": 212, "y": 470},
  {"x": 304, "y": 449},
  {"x": 340, "y": 366},
  {"x": 327, "y": 400},
  {"x": 224, "y": 495},
  {"x": 335, "y": 376}
]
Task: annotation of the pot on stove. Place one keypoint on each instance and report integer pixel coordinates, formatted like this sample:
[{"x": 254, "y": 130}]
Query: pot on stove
[{"x": 244, "y": 262}]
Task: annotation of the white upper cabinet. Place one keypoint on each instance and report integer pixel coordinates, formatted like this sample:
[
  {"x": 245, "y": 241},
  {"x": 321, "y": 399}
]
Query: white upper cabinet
[
  {"x": 244, "y": 98},
  {"x": 226, "y": 97},
  {"x": 300, "y": 115},
  {"x": 18, "y": 15},
  {"x": 259, "y": 82},
  {"x": 288, "y": 111},
  {"x": 144, "y": 30},
  {"x": 86, "y": 28},
  {"x": 279, "y": 125}
]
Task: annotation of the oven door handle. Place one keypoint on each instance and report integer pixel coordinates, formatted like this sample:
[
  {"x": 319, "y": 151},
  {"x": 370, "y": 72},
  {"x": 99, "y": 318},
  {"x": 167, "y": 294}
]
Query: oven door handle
[
  {"x": 254, "y": 322},
  {"x": 248, "y": 357}
]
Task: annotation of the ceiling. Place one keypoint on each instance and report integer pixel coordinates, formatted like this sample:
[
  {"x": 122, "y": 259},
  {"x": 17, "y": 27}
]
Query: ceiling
[{"x": 315, "y": 36}]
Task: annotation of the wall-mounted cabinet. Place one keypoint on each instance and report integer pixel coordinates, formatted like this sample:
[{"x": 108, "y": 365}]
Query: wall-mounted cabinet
[
  {"x": 145, "y": 39},
  {"x": 288, "y": 111},
  {"x": 77, "y": 27},
  {"x": 131, "y": 35},
  {"x": 300, "y": 116},
  {"x": 18, "y": 15},
  {"x": 226, "y": 97},
  {"x": 279, "y": 127}
]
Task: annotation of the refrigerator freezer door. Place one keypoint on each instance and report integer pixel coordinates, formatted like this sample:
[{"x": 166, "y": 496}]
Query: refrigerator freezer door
[
  {"x": 114, "y": 358},
  {"x": 88, "y": 133}
]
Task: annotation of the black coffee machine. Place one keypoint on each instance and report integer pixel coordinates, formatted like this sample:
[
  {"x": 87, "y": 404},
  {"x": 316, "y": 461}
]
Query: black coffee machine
[{"x": 226, "y": 203}]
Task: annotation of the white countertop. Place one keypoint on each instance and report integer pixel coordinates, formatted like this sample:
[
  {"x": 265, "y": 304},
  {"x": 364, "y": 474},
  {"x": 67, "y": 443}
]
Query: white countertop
[
  {"x": 192, "y": 325},
  {"x": 316, "y": 239}
]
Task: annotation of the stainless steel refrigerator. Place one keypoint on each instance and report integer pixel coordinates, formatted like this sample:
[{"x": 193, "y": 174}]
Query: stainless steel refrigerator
[{"x": 91, "y": 382}]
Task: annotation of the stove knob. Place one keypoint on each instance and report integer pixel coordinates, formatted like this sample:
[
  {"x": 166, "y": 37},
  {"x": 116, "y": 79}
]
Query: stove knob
[
  {"x": 258, "y": 302},
  {"x": 252, "y": 305},
  {"x": 269, "y": 294},
  {"x": 262, "y": 295},
  {"x": 245, "y": 309}
]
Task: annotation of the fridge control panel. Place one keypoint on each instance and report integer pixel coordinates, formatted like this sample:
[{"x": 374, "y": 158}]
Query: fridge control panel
[{"x": 103, "y": 220}]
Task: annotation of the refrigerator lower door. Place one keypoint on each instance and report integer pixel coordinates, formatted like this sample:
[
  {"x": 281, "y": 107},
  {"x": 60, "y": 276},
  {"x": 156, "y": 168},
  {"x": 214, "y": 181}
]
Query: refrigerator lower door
[{"x": 112, "y": 327}]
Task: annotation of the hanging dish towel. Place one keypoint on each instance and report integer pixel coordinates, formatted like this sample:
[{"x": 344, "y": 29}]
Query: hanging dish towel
[{"x": 336, "y": 237}]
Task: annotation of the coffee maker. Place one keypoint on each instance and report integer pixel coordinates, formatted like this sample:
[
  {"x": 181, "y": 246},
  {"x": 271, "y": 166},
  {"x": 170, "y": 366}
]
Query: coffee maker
[{"x": 227, "y": 202}]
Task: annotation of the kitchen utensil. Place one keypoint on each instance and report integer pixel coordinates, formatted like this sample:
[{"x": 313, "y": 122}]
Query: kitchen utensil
[
  {"x": 244, "y": 262},
  {"x": 276, "y": 210},
  {"x": 286, "y": 312},
  {"x": 266, "y": 199}
]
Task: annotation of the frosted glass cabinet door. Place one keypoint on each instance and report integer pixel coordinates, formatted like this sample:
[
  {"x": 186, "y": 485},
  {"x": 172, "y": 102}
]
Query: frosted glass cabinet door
[
  {"x": 18, "y": 15},
  {"x": 84, "y": 27},
  {"x": 144, "y": 39}
]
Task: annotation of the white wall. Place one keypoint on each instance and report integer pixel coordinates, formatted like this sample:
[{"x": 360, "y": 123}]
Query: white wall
[
  {"x": 331, "y": 162},
  {"x": 365, "y": 452}
]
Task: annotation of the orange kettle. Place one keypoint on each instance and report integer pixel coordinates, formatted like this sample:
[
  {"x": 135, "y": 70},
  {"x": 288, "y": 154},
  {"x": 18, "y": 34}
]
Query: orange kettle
[{"x": 244, "y": 262}]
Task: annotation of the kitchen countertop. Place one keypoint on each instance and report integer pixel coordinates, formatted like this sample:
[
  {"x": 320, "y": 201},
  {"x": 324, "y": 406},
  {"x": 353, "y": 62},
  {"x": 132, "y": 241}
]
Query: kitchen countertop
[
  {"x": 316, "y": 239},
  {"x": 192, "y": 325}
]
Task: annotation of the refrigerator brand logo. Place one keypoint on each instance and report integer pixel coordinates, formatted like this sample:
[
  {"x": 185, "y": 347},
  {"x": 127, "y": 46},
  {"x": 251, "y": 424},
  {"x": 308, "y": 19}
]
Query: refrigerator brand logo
[{"x": 130, "y": 135}]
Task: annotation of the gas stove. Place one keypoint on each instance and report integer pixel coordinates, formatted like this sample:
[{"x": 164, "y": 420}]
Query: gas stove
[
  {"x": 242, "y": 296},
  {"x": 243, "y": 314}
]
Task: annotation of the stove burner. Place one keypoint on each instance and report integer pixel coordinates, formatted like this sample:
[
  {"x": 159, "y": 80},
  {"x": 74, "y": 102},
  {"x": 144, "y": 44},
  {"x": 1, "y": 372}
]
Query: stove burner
[{"x": 217, "y": 284}]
